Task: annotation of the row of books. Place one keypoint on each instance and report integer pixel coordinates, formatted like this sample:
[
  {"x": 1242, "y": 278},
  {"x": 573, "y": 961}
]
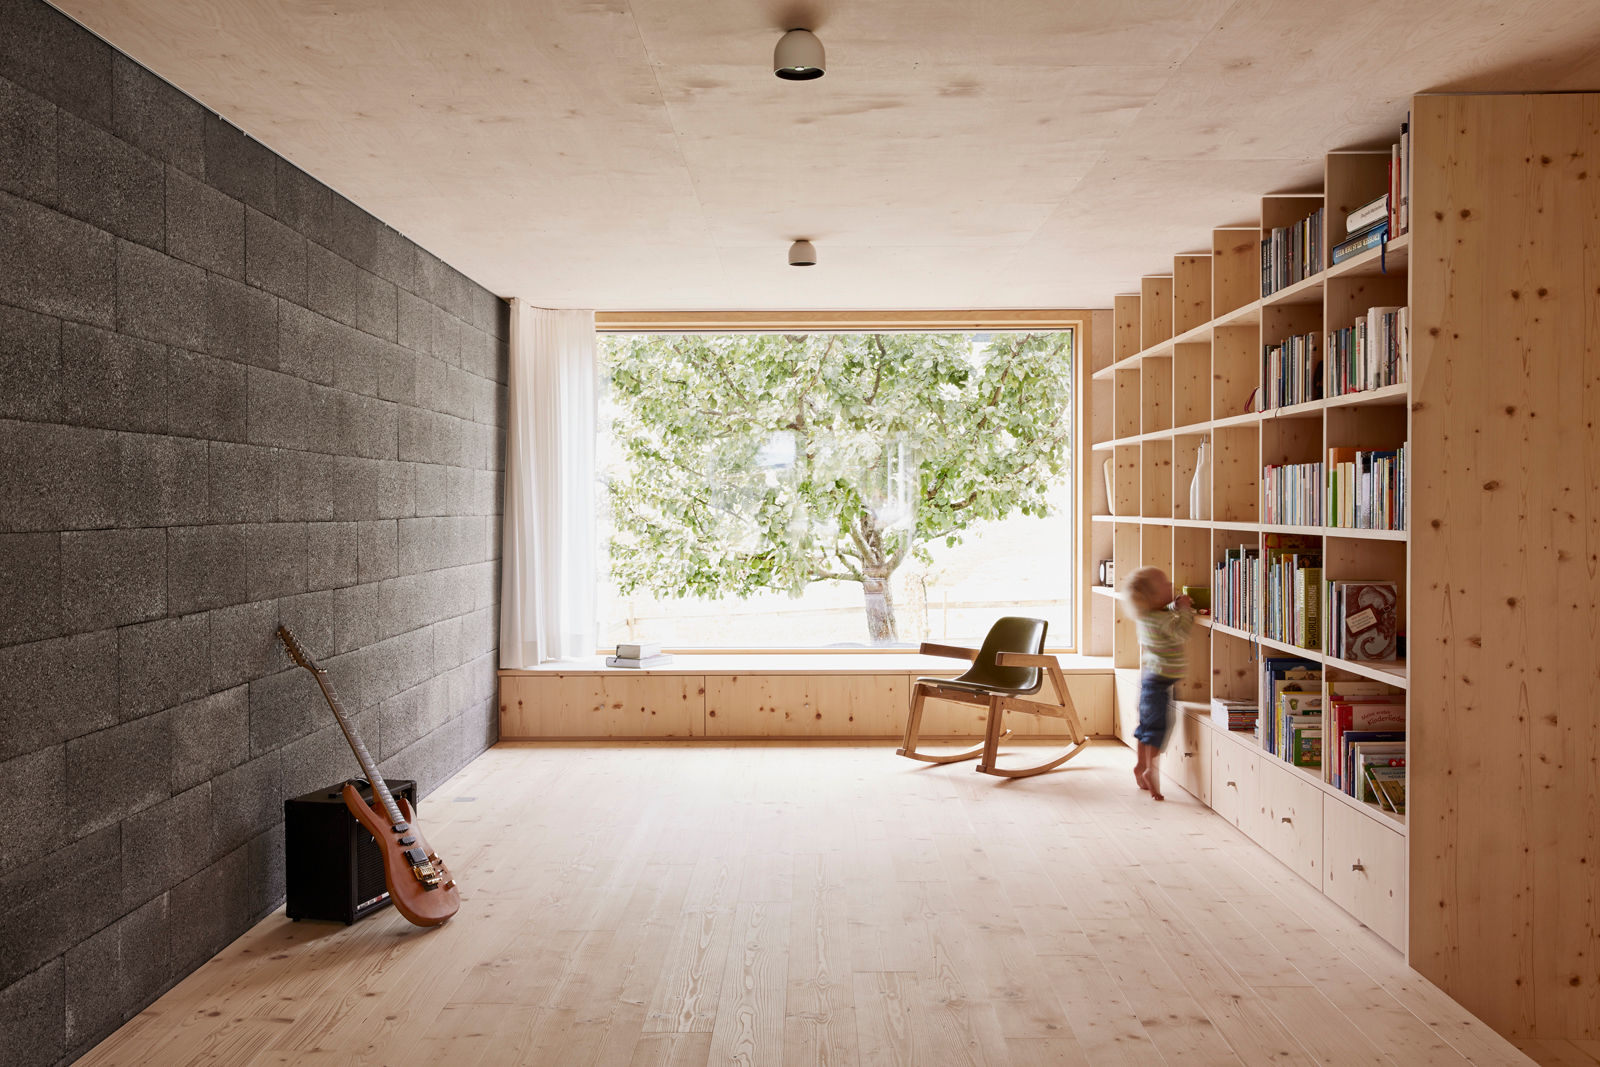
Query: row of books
[
  {"x": 1400, "y": 181},
  {"x": 1286, "y": 599},
  {"x": 1367, "y": 490},
  {"x": 1292, "y": 688},
  {"x": 1373, "y": 352},
  {"x": 1291, "y": 372},
  {"x": 1367, "y": 759},
  {"x": 1293, "y": 493},
  {"x": 1366, "y": 721},
  {"x": 1291, "y": 254},
  {"x": 1293, "y": 609},
  {"x": 1234, "y": 582}
]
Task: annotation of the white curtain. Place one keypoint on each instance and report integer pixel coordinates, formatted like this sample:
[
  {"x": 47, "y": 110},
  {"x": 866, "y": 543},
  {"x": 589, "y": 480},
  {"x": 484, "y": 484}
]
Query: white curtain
[{"x": 547, "y": 603}]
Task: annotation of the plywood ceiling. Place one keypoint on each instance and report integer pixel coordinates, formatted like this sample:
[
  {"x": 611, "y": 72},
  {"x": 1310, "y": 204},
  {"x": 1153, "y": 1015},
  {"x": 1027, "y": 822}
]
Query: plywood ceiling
[{"x": 639, "y": 154}]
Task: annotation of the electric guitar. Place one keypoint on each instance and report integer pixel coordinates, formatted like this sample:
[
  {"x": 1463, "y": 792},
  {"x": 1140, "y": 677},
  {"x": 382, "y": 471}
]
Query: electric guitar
[{"x": 419, "y": 884}]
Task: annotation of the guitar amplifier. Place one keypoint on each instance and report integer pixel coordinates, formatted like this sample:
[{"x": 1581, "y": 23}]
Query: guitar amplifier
[{"x": 333, "y": 869}]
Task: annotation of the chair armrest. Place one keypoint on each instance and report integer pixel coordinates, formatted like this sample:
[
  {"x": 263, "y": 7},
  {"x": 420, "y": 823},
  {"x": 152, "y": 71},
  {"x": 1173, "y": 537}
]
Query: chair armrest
[
  {"x": 1026, "y": 659},
  {"x": 948, "y": 651}
]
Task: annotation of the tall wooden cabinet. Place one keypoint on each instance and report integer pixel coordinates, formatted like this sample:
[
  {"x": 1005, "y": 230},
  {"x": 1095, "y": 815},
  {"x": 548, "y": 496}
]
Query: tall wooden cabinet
[{"x": 1489, "y": 882}]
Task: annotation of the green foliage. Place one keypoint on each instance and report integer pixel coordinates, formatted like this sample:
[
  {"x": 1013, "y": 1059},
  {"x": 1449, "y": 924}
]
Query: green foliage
[{"x": 696, "y": 514}]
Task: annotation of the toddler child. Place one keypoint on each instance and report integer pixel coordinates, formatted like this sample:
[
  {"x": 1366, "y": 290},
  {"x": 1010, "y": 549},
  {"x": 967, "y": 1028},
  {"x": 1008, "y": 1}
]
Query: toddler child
[{"x": 1164, "y": 626}]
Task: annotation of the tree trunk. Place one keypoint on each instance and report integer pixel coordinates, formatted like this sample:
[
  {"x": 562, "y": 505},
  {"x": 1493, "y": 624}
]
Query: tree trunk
[{"x": 880, "y": 609}]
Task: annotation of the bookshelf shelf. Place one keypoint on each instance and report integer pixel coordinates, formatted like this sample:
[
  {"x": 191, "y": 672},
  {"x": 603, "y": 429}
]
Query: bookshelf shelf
[
  {"x": 1365, "y": 535},
  {"x": 1393, "y": 673},
  {"x": 1103, "y": 590},
  {"x": 1309, "y": 410},
  {"x": 1388, "y": 395}
]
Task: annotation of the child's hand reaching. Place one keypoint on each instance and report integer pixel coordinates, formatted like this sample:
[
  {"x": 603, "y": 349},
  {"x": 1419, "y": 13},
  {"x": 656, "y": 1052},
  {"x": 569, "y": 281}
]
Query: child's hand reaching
[{"x": 1183, "y": 603}]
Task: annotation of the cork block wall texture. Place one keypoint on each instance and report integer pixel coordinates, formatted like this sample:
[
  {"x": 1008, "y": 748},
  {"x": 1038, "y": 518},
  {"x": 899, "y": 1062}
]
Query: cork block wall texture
[{"x": 229, "y": 398}]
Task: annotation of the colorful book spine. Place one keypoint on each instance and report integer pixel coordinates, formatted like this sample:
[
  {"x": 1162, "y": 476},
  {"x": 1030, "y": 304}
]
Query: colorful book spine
[
  {"x": 1364, "y": 242},
  {"x": 1367, "y": 490},
  {"x": 1293, "y": 494},
  {"x": 1291, "y": 254}
]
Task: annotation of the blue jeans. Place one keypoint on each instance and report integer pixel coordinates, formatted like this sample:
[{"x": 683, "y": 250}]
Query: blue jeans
[{"x": 1155, "y": 707}]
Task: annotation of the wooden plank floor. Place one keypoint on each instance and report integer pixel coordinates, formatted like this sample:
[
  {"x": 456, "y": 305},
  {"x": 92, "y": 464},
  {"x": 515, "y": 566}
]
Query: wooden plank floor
[{"x": 767, "y": 904}]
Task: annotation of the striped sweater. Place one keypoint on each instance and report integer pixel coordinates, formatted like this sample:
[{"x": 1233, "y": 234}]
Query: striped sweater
[{"x": 1162, "y": 634}]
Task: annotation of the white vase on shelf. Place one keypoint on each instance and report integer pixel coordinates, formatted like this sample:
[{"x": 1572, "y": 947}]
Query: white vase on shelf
[{"x": 1199, "y": 488}]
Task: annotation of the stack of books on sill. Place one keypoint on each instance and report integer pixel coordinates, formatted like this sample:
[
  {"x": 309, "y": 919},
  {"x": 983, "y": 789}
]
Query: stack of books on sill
[{"x": 639, "y": 656}]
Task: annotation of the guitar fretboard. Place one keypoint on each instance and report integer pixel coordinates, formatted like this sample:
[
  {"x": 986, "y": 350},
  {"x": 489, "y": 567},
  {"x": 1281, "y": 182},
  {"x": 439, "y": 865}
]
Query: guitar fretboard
[{"x": 380, "y": 788}]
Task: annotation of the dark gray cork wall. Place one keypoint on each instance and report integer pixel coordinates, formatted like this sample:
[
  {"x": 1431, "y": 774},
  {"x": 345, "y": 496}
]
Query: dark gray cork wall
[{"x": 229, "y": 398}]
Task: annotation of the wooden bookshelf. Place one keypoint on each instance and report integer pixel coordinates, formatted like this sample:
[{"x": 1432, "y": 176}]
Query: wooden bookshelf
[
  {"x": 1485, "y": 885},
  {"x": 1185, "y": 367}
]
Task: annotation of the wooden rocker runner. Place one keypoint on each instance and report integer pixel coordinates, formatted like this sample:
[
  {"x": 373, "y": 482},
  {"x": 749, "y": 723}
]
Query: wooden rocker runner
[{"x": 1010, "y": 667}]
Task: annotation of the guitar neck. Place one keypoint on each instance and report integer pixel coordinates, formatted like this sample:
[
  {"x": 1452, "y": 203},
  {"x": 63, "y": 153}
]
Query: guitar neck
[{"x": 380, "y": 788}]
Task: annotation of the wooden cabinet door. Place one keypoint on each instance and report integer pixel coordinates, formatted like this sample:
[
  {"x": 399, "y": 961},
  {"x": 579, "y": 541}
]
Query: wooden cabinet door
[
  {"x": 1291, "y": 819},
  {"x": 1233, "y": 782},
  {"x": 1187, "y": 761},
  {"x": 1364, "y": 869}
]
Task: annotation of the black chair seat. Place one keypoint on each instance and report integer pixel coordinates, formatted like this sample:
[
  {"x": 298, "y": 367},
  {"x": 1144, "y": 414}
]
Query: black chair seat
[{"x": 981, "y": 688}]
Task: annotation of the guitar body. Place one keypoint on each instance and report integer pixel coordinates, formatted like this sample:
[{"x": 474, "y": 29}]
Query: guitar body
[{"x": 421, "y": 903}]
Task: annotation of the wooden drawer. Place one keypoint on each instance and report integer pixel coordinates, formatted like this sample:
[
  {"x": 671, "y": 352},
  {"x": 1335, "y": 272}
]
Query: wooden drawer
[
  {"x": 1187, "y": 762},
  {"x": 1364, "y": 869},
  {"x": 1233, "y": 783},
  {"x": 1291, "y": 819}
]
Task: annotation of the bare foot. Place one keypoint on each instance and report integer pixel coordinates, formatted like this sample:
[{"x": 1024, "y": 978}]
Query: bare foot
[
  {"x": 1156, "y": 796},
  {"x": 1139, "y": 776}
]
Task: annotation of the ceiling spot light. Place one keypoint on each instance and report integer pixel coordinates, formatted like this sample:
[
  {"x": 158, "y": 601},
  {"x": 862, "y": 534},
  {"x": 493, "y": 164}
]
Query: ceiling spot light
[
  {"x": 802, "y": 254},
  {"x": 798, "y": 57}
]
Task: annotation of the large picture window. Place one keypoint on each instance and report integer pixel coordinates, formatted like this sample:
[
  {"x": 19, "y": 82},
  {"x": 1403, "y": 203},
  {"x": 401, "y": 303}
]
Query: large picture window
[{"x": 831, "y": 489}]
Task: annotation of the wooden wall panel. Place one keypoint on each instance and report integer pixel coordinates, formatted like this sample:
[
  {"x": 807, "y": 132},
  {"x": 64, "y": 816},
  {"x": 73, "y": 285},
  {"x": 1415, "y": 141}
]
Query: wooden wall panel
[
  {"x": 1125, "y": 313},
  {"x": 1155, "y": 310},
  {"x": 665, "y": 706},
  {"x": 601, "y": 706},
  {"x": 1505, "y": 609},
  {"x": 806, "y": 705},
  {"x": 1235, "y": 268},
  {"x": 1191, "y": 294}
]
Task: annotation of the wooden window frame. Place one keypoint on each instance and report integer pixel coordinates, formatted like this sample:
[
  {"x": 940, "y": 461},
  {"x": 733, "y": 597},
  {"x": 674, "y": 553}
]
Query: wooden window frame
[{"x": 1078, "y": 320}]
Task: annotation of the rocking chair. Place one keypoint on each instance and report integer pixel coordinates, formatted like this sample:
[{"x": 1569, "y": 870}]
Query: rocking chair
[{"x": 1010, "y": 667}]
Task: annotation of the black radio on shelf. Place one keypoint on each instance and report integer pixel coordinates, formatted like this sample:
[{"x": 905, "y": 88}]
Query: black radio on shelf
[{"x": 333, "y": 869}]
